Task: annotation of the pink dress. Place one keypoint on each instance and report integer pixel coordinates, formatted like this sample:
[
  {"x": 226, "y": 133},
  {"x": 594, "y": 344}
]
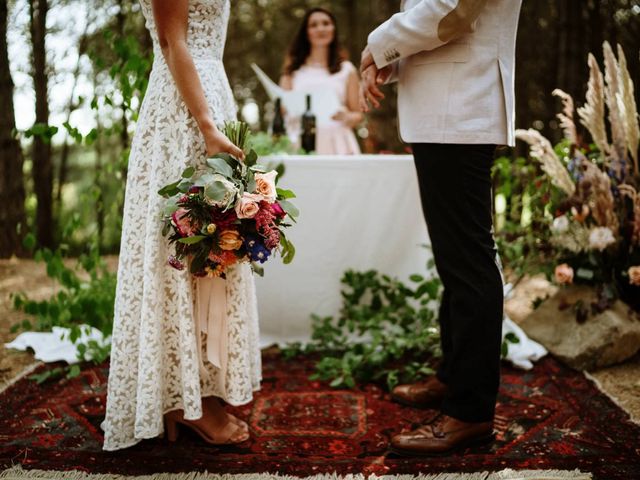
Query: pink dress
[{"x": 332, "y": 137}]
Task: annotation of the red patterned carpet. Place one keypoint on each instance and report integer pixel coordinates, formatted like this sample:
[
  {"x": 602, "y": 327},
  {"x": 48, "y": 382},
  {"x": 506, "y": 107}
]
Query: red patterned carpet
[{"x": 548, "y": 418}]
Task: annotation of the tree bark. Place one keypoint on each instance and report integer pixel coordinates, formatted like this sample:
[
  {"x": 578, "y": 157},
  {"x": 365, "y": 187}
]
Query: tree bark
[
  {"x": 42, "y": 166},
  {"x": 13, "y": 219}
]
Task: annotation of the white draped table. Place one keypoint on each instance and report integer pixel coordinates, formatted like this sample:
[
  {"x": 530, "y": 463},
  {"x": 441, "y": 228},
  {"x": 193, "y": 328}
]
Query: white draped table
[{"x": 356, "y": 212}]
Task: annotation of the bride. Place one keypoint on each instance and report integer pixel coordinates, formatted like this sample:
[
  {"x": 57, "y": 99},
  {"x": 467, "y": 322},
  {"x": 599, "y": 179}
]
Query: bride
[{"x": 158, "y": 377}]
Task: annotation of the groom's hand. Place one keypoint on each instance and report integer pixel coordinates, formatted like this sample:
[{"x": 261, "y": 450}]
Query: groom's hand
[{"x": 370, "y": 93}]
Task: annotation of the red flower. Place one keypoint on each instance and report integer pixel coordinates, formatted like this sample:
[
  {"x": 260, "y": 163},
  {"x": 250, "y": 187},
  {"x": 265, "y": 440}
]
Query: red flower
[{"x": 223, "y": 220}]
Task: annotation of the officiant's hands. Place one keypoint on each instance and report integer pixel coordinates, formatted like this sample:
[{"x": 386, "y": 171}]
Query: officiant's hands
[
  {"x": 216, "y": 142},
  {"x": 372, "y": 78}
]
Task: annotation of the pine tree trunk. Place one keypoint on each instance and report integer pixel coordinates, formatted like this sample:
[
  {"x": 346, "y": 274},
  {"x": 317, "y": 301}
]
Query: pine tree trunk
[
  {"x": 13, "y": 219},
  {"x": 42, "y": 165}
]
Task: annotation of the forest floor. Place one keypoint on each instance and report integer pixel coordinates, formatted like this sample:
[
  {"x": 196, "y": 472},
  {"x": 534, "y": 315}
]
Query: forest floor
[{"x": 620, "y": 382}]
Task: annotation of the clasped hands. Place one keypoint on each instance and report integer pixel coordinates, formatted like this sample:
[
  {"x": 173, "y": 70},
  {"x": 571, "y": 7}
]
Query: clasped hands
[{"x": 372, "y": 78}]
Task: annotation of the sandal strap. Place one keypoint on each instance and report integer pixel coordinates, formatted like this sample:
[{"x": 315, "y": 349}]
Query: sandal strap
[{"x": 226, "y": 435}]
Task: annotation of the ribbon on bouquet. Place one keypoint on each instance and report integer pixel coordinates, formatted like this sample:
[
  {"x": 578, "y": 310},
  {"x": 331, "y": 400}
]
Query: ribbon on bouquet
[{"x": 211, "y": 319}]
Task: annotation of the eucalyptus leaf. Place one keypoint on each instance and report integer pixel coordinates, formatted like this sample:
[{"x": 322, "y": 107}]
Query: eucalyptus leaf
[
  {"x": 188, "y": 172},
  {"x": 259, "y": 168},
  {"x": 192, "y": 240},
  {"x": 203, "y": 180},
  {"x": 257, "y": 269},
  {"x": 285, "y": 194},
  {"x": 251, "y": 158},
  {"x": 215, "y": 190},
  {"x": 219, "y": 165},
  {"x": 230, "y": 159},
  {"x": 184, "y": 186},
  {"x": 287, "y": 257},
  {"x": 170, "y": 207},
  {"x": 169, "y": 190},
  {"x": 288, "y": 207}
]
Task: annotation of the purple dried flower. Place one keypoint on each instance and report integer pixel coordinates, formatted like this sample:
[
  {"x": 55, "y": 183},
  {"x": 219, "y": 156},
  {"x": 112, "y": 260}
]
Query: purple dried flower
[{"x": 175, "y": 263}]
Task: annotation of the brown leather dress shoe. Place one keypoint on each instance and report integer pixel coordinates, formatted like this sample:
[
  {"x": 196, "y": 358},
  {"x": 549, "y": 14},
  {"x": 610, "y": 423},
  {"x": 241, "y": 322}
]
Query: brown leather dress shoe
[
  {"x": 441, "y": 436},
  {"x": 428, "y": 394}
]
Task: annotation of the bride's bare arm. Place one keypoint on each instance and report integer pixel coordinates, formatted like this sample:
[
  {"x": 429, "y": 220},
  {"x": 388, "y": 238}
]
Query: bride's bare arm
[{"x": 171, "y": 17}]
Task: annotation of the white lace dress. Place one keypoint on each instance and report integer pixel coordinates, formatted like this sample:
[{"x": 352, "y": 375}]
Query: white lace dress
[{"x": 154, "y": 358}]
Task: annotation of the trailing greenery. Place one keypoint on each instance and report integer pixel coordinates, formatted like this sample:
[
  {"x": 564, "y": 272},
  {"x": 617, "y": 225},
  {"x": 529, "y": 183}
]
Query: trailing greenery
[
  {"x": 86, "y": 297},
  {"x": 386, "y": 331}
]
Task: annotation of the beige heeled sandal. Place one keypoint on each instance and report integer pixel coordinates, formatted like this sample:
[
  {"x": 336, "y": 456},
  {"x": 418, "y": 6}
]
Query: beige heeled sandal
[{"x": 226, "y": 436}]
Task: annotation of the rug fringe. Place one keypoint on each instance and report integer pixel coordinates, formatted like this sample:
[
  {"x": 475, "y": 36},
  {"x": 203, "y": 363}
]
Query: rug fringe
[
  {"x": 26, "y": 371},
  {"x": 509, "y": 474},
  {"x": 599, "y": 386},
  {"x": 18, "y": 473}
]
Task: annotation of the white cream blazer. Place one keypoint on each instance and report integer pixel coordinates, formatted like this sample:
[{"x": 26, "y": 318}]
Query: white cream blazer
[{"x": 454, "y": 61}]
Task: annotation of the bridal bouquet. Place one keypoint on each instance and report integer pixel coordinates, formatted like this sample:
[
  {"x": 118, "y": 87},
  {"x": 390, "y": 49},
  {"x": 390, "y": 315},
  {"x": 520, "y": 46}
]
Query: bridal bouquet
[
  {"x": 230, "y": 213},
  {"x": 593, "y": 212}
]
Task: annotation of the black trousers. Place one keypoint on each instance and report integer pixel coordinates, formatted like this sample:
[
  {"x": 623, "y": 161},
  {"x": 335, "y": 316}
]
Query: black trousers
[{"x": 455, "y": 189}]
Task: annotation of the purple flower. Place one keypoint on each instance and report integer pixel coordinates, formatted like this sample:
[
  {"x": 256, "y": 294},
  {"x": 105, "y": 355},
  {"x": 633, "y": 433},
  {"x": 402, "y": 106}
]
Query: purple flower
[
  {"x": 277, "y": 210},
  {"x": 257, "y": 250}
]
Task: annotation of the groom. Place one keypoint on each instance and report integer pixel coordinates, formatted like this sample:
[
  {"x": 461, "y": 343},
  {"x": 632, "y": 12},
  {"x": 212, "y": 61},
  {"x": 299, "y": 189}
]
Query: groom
[{"x": 454, "y": 64}]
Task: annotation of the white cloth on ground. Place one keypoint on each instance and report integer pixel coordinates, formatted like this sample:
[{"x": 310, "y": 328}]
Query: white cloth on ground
[{"x": 56, "y": 346}]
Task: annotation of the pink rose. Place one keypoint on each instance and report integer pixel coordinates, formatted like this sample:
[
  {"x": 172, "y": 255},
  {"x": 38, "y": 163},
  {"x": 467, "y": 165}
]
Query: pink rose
[
  {"x": 182, "y": 222},
  {"x": 266, "y": 185},
  {"x": 564, "y": 274},
  {"x": 634, "y": 275},
  {"x": 248, "y": 205}
]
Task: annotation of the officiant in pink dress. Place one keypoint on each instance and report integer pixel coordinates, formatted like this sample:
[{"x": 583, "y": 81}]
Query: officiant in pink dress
[{"x": 317, "y": 62}]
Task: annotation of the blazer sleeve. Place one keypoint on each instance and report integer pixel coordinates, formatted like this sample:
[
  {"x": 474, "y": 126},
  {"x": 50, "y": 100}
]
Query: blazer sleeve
[
  {"x": 394, "y": 74},
  {"x": 428, "y": 25}
]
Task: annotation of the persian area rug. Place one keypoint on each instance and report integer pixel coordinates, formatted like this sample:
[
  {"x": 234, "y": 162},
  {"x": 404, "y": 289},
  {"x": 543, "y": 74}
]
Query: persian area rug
[{"x": 548, "y": 419}]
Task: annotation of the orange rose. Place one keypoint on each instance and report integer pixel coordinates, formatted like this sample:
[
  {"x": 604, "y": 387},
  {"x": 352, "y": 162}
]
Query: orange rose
[
  {"x": 230, "y": 240},
  {"x": 266, "y": 185},
  {"x": 634, "y": 275}
]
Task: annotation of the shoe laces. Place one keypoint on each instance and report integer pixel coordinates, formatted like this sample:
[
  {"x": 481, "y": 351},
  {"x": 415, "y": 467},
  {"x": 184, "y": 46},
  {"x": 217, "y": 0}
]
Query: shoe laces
[{"x": 436, "y": 425}]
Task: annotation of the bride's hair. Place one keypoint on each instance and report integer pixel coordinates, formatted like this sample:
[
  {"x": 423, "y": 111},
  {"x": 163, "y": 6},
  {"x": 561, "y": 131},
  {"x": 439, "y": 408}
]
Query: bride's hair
[{"x": 301, "y": 47}]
